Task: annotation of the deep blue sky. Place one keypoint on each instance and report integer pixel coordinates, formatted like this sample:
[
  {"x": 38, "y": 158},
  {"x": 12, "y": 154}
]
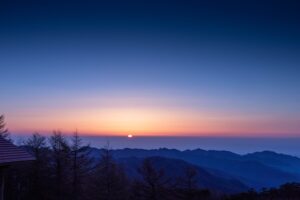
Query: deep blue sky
[{"x": 227, "y": 59}]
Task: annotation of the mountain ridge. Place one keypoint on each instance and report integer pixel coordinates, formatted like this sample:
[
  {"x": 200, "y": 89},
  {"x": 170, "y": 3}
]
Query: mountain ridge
[{"x": 256, "y": 170}]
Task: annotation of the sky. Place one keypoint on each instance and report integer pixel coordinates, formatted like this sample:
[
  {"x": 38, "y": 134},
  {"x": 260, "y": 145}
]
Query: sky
[{"x": 151, "y": 68}]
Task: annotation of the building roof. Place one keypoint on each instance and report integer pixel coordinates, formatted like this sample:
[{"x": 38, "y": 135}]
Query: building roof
[{"x": 9, "y": 153}]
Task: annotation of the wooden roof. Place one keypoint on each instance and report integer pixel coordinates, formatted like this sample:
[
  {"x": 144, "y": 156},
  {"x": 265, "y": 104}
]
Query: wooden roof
[{"x": 9, "y": 153}]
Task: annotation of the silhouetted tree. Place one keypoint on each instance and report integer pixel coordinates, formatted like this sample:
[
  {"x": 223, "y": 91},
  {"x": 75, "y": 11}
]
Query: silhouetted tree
[
  {"x": 61, "y": 164},
  {"x": 153, "y": 183},
  {"x": 40, "y": 169},
  {"x": 189, "y": 183},
  {"x": 76, "y": 145},
  {"x": 110, "y": 182},
  {"x": 30, "y": 180},
  {"x": 81, "y": 166},
  {"x": 3, "y": 130}
]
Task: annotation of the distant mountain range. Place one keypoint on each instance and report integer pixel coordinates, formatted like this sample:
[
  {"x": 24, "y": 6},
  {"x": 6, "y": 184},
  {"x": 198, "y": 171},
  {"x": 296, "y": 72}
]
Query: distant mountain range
[{"x": 219, "y": 170}]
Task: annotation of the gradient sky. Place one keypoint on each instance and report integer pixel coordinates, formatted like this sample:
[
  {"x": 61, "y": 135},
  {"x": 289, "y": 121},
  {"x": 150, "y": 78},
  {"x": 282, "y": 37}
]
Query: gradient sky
[{"x": 216, "y": 68}]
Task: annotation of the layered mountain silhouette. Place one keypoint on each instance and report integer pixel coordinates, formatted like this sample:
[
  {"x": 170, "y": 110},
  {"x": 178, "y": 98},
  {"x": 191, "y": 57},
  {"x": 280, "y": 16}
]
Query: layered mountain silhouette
[
  {"x": 218, "y": 170},
  {"x": 174, "y": 170}
]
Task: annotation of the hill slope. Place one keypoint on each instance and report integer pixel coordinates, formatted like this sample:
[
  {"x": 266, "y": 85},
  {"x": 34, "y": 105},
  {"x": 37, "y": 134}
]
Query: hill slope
[{"x": 256, "y": 170}]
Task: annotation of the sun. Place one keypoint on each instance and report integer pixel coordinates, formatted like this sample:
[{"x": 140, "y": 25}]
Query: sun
[{"x": 129, "y": 136}]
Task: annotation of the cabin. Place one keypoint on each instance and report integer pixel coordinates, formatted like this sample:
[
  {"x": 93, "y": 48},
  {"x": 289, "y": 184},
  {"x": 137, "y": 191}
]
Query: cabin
[{"x": 10, "y": 155}]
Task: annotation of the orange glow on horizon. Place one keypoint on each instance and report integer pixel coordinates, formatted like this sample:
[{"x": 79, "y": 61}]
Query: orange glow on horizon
[{"x": 123, "y": 121}]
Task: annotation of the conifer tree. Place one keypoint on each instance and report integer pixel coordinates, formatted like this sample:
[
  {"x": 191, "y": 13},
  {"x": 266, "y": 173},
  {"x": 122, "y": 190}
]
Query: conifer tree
[{"x": 3, "y": 130}]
